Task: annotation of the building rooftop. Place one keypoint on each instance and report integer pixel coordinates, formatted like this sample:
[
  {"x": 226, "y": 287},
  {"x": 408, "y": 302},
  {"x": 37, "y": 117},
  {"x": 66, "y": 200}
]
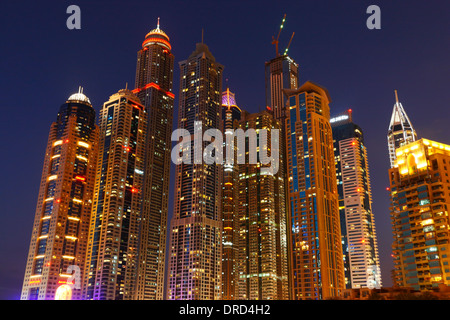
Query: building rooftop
[
  {"x": 157, "y": 36},
  {"x": 79, "y": 96}
]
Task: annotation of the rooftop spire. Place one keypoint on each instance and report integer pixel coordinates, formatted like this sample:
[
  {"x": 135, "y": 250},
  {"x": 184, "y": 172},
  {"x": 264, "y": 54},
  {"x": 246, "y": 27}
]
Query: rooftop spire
[
  {"x": 400, "y": 130},
  {"x": 157, "y": 26}
]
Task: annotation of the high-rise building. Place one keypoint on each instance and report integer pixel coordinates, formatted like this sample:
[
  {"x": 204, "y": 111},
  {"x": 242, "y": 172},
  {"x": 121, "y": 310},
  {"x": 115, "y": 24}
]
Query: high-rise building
[
  {"x": 111, "y": 264},
  {"x": 195, "y": 259},
  {"x": 400, "y": 130},
  {"x": 317, "y": 268},
  {"x": 154, "y": 85},
  {"x": 359, "y": 240},
  {"x": 61, "y": 224},
  {"x": 261, "y": 224},
  {"x": 281, "y": 73},
  {"x": 231, "y": 113},
  {"x": 420, "y": 197}
]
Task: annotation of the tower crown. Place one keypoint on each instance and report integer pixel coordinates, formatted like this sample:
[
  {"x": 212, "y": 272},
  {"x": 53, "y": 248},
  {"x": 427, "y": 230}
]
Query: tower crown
[
  {"x": 157, "y": 36},
  {"x": 228, "y": 99},
  {"x": 79, "y": 96}
]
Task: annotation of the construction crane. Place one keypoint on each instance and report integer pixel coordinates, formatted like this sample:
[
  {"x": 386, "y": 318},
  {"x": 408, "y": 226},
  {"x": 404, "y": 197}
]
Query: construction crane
[
  {"x": 275, "y": 41},
  {"x": 287, "y": 48}
]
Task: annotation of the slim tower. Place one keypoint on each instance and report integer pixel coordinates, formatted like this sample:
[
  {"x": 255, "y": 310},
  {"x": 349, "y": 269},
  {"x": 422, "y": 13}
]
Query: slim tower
[
  {"x": 359, "y": 240},
  {"x": 317, "y": 269},
  {"x": 154, "y": 84},
  {"x": 195, "y": 265},
  {"x": 400, "y": 130},
  {"x": 61, "y": 224},
  {"x": 231, "y": 113},
  {"x": 113, "y": 239}
]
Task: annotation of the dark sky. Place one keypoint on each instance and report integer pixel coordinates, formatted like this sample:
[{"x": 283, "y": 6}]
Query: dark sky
[{"x": 42, "y": 63}]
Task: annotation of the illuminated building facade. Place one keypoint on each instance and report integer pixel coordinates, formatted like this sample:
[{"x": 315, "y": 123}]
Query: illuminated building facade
[
  {"x": 400, "y": 130},
  {"x": 419, "y": 186},
  {"x": 61, "y": 224},
  {"x": 262, "y": 240},
  {"x": 359, "y": 241},
  {"x": 281, "y": 73},
  {"x": 113, "y": 238},
  {"x": 231, "y": 113},
  {"x": 195, "y": 257},
  {"x": 154, "y": 84},
  {"x": 317, "y": 269}
]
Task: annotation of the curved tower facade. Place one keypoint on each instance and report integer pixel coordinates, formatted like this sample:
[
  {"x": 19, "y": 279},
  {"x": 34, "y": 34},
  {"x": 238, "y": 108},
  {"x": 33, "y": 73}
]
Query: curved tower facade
[{"x": 60, "y": 231}]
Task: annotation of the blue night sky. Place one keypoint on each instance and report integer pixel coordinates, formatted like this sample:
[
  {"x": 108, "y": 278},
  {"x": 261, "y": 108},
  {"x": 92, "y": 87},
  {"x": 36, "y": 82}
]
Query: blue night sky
[{"x": 42, "y": 63}]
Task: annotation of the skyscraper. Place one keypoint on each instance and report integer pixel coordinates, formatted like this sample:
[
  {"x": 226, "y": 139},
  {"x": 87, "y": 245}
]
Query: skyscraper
[
  {"x": 419, "y": 186},
  {"x": 61, "y": 223},
  {"x": 231, "y": 113},
  {"x": 195, "y": 260},
  {"x": 154, "y": 85},
  {"x": 261, "y": 224},
  {"x": 281, "y": 73},
  {"x": 113, "y": 238},
  {"x": 317, "y": 269},
  {"x": 400, "y": 131},
  {"x": 359, "y": 240}
]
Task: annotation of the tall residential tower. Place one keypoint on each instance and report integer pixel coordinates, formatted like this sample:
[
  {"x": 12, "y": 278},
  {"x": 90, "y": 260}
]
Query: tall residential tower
[
  {"x": 113, "y": 238},
  {"x": 154, "y": 84},
  {"x": 195, "y": 257},
  {"x": 359, "y": 240},
  {"x": 261, "y": 221},
  {"x": 61, "y": 224},
  {"x": 317, "y": 269}
]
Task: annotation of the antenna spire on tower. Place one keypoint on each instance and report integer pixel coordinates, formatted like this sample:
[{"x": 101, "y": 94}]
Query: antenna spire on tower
[
  {"x": 157, "y": 26},
  {"x": 396, "y": 96}
]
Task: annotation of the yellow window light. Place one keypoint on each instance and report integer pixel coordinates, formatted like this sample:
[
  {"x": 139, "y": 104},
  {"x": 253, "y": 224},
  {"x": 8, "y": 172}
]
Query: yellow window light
[{"x": 83, "y": 144}]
